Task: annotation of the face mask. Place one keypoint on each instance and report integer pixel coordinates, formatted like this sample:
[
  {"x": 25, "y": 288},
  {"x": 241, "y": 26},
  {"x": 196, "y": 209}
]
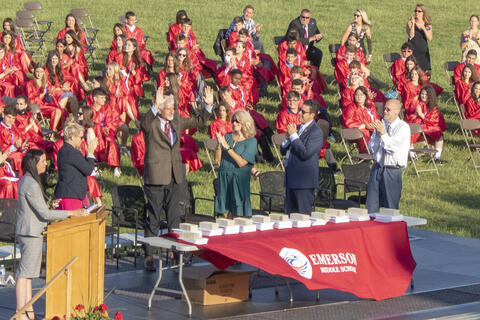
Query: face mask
[{"x": 227, "y": 59}]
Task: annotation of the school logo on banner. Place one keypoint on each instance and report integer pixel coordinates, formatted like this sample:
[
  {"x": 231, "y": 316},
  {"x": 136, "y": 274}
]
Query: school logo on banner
[{"x": 298, "y": 261}]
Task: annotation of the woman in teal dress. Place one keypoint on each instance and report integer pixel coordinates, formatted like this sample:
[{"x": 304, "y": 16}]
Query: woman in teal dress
[{"x": 236, "y": 152}]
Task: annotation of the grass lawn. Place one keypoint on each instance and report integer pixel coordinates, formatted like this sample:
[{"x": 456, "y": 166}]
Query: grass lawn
[{"x": 449, "y": 202}]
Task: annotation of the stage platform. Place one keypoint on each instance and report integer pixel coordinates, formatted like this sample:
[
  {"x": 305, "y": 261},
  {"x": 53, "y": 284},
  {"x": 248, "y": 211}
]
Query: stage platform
[{"x": 446, "y": 284}]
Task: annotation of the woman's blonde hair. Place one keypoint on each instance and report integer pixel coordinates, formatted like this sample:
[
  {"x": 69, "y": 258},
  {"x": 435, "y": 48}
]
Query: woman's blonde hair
[
  {"x": 116, "y": 68},
  {"x": 248, "y": 125},
  {"x": 426, "y": 17},
  {"x": 365, "y": 19},
  {"x": 72, "y": 130}
]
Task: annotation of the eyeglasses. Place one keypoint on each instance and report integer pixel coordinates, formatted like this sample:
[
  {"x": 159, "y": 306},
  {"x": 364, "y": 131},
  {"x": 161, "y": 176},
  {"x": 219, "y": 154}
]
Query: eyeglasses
[
  {"x": 417, "y": 11},
  {"x": 304, "y": 112},
  {"x": 305, "y": 17}
]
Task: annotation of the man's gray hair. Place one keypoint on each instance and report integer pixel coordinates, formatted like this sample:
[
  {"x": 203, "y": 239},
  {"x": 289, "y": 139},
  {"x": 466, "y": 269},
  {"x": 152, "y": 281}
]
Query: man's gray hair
[{"x": 168, "y": 100}]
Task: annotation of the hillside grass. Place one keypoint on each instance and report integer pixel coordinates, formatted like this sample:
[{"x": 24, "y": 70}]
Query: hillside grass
[{"x": 449, "y": 202}]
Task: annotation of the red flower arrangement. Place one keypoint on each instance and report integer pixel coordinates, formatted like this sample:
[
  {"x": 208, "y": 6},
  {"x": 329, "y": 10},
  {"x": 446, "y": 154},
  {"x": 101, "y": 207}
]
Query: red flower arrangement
[{"x": 96, "y": 313}]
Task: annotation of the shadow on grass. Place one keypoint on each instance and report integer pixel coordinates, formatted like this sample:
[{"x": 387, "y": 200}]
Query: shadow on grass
[{"x": 469, "y": 201}]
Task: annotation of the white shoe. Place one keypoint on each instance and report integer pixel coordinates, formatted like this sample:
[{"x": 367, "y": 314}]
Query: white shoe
[
  {"x": 95, "y": 172},
  {"x": 117, "y": 172}
]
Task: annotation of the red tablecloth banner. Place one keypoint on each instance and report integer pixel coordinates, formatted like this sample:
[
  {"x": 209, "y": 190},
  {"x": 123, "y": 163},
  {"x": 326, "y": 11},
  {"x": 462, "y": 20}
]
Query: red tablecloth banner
[{"x": 369, "y": 259}]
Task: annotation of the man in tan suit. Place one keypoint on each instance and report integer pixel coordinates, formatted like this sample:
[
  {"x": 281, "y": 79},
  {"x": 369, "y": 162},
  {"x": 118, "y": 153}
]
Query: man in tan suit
[{"x": 164, "y": 172}]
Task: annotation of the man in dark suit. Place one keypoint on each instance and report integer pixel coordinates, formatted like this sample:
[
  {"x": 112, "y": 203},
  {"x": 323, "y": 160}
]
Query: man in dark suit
[
  {"x": 302, "y": 148},
  {"x": 164, "y": 173},
  {"x": 308, "y": 32}
]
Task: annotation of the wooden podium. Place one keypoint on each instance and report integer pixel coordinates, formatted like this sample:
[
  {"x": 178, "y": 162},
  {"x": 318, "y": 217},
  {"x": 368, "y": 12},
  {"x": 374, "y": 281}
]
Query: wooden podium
[{"x": 82, "y": 237}]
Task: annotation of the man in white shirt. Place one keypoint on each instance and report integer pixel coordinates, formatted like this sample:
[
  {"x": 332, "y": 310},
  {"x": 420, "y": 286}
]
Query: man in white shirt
[{"x": 389, "y": 145}]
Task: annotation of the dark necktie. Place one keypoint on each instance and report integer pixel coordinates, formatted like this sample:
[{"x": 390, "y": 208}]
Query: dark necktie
[{"x": 168, "y": 131}]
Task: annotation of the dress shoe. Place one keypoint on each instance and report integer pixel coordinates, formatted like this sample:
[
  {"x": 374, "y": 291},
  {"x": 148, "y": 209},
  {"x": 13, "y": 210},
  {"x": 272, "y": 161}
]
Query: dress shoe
[{"x": 149, "y": 266}]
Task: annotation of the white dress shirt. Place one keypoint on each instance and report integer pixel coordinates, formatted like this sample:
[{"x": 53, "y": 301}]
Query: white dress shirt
[{"x": 391, "y": 149}]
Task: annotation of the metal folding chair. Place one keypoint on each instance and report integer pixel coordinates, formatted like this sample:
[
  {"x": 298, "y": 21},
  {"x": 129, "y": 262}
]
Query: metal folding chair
[
  {"x": 468, "y": 126},
  {"x": 350, "y": 136},
  {"x": 333, "y": 48},
  {"x": 388, "y": 59},
  {"x": 426, "y": 150},
  {"x": 90, "y": 30},
  {"x": 32, "y": 43},
  {"x": 277, "y": 143},
  {"x": 33, "y": 6},
  {"x": 210, "y": 145}
]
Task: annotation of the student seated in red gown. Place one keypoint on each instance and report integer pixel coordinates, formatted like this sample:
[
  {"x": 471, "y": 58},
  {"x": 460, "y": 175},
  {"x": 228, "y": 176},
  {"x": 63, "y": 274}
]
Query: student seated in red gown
[
  {"x": 410, "y": 63},
  {"x": 9, "y": 25},
  {"x": 352, "y": 40},
  {"x": 284, "y": 68},
  {"x": 121, "y": 102},
  {"x": 132, "y": 68},
  {"x": 28, "y": 126},
  {"x": 361, "y": 114},
  {"x": 223, "y": 121},
  {"x": 171, "y": 65},
  {"x": 132, "y": 31},
  {"x": 291, "y": 42},
  {"x": 9, "y": 80},
  {"x": 106, "y": 121},
  {"x": 464, "y": 85},
  {"x": 242, "y": 62},
  {"x": 18, "y": 58},
  {"x": 305, "y": 92},
  {"x": 71, "y": 24},
  {"x": 8, "y": 179},
  {"x": 176, "y": 28},
  {"x": 223, "y": 72},
  {"x": 424, "y": 111},
  {"x": 412, "y": 87},
  {"x": 264, "y": 68},
  {"x": 290, "y": 114},
  {"x": 11, "y": 140},
  {"x": 119, "y": 41},
  {"x": 36, "y": 91},
  {"x": 397, "y": 70},
  {"x": 342, "y": 67},
  {"x": 470, "y": 59},
  {"x": 59, "y": 88},
  {"x": 472, "y": 105}
]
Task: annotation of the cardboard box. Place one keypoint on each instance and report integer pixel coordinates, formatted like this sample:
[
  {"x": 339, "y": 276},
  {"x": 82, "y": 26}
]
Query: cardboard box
[{"x": 207, "y": 285}]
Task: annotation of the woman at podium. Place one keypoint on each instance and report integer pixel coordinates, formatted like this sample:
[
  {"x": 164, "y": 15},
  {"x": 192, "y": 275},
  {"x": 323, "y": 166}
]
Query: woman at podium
[
  {"x": 74, "y": 168},
  {"x": 32, "y": 217}
]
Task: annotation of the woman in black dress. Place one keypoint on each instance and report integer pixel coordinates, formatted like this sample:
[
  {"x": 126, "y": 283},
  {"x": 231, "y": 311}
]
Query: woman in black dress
[{"x": 419, "y": 31}]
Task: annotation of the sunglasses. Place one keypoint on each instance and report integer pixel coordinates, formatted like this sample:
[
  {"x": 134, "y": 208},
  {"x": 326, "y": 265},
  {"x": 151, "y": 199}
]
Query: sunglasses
[
  {"x": 305, "y": 17},
  {"x": 417, "y": 11},
  {"x": 356, "y": 15}
]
